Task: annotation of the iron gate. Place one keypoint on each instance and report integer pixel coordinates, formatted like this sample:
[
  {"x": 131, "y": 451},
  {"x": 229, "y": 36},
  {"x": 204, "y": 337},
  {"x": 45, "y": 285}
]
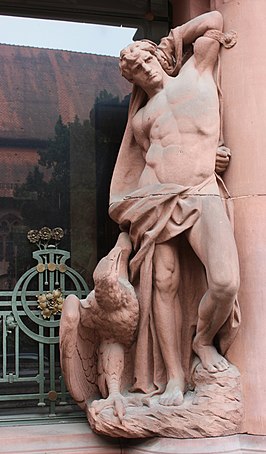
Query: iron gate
[{"x": 30, "y": 378}]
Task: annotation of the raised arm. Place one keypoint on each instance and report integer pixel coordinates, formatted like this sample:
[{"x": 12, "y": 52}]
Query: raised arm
[
  {"x": 170, "y": 47},
  {"x": 198, "y": 26}
]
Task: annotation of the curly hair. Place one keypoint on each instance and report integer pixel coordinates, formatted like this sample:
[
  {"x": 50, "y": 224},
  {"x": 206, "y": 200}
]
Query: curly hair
[{"x": 129, "y": 55}]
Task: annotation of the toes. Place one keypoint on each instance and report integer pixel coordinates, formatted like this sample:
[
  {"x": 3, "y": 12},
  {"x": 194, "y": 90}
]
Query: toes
[
  {"x": 211, "y": 368},
  {"x": 166, "y": 402},
  {"x": 179, "y": 399},
  {"x": 218, "y": 366},
  {"x": 225, "y": 363},
  {"x": 173, "y": 400},
  {"x": 222, "y": 365},
  {"x": 146, "y": 401}
]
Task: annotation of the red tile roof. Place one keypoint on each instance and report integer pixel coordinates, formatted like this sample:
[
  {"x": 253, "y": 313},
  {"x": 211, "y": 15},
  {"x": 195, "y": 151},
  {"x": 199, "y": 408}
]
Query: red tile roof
[
  {"x": 36, "y": 85},
  {"x": 15, "y": 165}
]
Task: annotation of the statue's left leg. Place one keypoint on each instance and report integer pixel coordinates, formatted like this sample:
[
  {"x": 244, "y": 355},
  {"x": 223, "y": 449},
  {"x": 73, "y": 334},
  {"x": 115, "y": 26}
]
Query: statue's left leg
[{"x": 213, "y": 241}]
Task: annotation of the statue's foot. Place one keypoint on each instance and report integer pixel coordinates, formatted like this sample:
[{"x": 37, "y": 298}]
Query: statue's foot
[
  {"x": 211, "y": 360},
  {"x": 173, "y": 394}
]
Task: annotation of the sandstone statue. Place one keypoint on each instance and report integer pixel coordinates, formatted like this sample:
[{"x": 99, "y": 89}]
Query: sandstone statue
[{"x": 177, "y": 311}]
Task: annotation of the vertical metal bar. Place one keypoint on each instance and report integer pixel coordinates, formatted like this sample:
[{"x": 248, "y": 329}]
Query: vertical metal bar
[
  {"x": 17, "y": 350},
  {"x": 41, "y": 402},
  {"x": 4, "y": 346},
  {"x": 40, "y": 289},
  {"x": 46, "y": 271},
  {"x": 56, "y": 271},
  {"x": 52, "y": 373},
  {"x": 62, "y": 282},
  {"x": 63, "y": 400},
  {"x": 51, "y": 273}
]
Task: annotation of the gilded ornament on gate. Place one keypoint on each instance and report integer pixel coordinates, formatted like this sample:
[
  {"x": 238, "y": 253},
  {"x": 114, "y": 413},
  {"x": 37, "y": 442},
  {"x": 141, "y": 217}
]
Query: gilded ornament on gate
[
  {"x": 40, "y": 267},
  {"x": 46, "y": 236},
  {"x": 62, "y": 268},
  {"x": 33, "y": 236},
  {"x": 45, "y": 233},
  {"x": 57, "y": 234},
  {"x": 51, "y": 266},
  {"x": 50, "y": 303}
]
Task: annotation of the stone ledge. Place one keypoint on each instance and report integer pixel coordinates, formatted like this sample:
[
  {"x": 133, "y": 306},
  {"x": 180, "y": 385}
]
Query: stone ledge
[
  {"x": 72, "y": 438},
  {"x": 77, "y": 438},
  {"x": 234, "y": 444}
]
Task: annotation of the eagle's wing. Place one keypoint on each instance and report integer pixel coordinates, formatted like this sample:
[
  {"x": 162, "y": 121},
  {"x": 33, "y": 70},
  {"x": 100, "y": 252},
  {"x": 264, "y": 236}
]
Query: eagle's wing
[{"x": 78, "y": 353}]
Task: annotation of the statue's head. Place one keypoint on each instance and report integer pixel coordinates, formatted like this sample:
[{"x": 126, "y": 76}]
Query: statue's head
[{"x": 131, "y": 53}]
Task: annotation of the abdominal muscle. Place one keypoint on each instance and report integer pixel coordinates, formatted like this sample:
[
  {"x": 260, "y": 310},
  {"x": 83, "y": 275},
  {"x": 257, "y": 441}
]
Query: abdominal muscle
[
  {"x": 181, "y": 164},
  {"x": 178, "y": 131}
]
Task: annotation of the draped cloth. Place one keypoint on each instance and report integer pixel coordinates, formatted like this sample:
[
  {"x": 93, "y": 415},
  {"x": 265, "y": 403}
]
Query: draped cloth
[{"x": 152, "y": 215}]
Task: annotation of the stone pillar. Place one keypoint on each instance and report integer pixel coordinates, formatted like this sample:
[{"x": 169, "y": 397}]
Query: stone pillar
[
  {"x": 243, "y": 81},
  {"x": 243, "y": 72}
]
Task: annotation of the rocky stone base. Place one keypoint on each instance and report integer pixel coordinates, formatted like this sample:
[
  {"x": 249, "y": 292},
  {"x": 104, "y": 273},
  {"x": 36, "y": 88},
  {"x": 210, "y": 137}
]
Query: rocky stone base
[{"x": 214, "y": 408}]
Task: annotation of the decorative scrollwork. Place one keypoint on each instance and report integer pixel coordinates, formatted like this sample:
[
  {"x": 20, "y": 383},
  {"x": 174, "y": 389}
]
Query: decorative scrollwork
[{"x": 40, "y": 318}]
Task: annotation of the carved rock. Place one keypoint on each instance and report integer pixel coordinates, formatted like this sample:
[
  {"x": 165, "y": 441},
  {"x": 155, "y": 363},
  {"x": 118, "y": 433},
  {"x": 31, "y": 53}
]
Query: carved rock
[{"x": 214, "y": 408}]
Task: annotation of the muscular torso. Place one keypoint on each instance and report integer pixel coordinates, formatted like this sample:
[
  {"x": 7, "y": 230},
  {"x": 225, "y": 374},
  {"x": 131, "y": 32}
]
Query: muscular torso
[{"x": 178, "y": 129}]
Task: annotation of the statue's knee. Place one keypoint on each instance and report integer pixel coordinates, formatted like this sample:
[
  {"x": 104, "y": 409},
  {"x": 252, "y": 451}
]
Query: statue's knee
[
  {"x": 165, "y": 282},
  {"x": 225, "y": 287}
]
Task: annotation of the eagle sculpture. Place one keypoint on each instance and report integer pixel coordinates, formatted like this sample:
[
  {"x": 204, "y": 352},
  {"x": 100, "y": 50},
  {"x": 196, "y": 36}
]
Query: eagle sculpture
[{"x": 94, "y": 333}]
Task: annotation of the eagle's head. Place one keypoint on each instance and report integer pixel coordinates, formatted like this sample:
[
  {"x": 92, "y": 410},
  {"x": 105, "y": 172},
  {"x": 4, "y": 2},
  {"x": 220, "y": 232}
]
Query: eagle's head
[{"x": 110, "y": 273}]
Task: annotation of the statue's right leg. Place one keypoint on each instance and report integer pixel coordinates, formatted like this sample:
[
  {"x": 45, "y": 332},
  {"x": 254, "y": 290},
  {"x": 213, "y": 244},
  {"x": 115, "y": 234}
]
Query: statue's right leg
[{"x": 168, "y": 318}]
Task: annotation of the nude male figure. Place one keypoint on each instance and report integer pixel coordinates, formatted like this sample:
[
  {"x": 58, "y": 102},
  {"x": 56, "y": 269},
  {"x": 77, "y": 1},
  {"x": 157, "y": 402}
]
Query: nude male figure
[{"x": 178, "y": 132}]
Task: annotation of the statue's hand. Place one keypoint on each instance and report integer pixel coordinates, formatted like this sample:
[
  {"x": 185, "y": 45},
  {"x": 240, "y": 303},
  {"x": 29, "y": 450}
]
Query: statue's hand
[
  {"x": 115, "y": 401},
  {"x": 223, "y": 155}
]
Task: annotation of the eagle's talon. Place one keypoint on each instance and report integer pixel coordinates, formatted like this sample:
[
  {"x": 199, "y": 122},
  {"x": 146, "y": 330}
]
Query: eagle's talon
[{"x": 115, "y": 401}]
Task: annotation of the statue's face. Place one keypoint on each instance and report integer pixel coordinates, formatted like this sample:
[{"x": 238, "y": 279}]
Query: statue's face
[{"x": 146, "y": 71}]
